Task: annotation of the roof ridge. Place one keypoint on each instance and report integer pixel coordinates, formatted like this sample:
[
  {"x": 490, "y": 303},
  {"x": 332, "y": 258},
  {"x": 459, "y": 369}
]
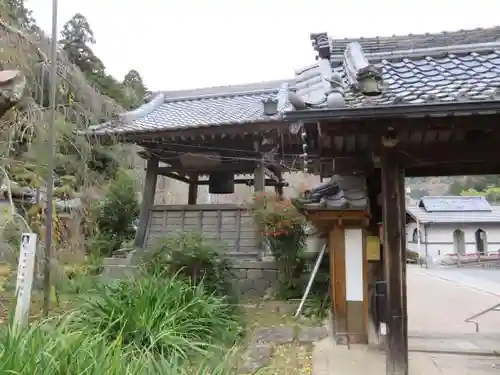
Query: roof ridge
[
  {"x": 226, "y": 89},
  {"x": 416, "y": 35},
  {"x": 222, "y": 94},
  {"x": 428, "y": 51}
]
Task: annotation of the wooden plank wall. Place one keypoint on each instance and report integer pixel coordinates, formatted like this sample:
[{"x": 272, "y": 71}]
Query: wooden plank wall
[{"x": 230, "y": 224}]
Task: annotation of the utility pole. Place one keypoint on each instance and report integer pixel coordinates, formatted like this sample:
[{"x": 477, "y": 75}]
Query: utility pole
[{"x": 50, "y": 177}]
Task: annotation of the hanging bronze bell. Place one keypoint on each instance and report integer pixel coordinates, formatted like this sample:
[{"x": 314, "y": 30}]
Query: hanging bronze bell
[{"x": 221, "y": 183}]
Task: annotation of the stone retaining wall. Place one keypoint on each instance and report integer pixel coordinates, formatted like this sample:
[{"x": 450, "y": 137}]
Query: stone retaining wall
[{"x": 253, "y": 277}]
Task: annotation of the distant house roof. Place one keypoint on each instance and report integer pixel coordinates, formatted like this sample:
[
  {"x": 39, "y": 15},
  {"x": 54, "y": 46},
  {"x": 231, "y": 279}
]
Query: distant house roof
[
  {"x": 212, "y": 106},
  {"x": 417, "y": 69},
  {"x": 461, "y": 209}
]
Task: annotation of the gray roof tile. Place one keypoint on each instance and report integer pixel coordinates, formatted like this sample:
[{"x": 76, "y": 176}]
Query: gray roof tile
[
  {"x": 350, "y": 194},
  {"x": 200, "y": 107},
  {"x": 393, "y": 43},
  {"x": 438, "y": 75},
  {"x": 426, "y": 68}
]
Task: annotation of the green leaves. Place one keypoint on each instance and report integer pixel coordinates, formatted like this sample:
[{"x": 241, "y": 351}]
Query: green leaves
[
  {"x": 116, "y": 215},
  {"x": 192, "y": 256},
  {"x": 134, "y": 327}
]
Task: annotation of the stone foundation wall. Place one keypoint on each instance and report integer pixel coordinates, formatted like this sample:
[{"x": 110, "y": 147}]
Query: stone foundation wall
[{"x": 253, "y": 277}]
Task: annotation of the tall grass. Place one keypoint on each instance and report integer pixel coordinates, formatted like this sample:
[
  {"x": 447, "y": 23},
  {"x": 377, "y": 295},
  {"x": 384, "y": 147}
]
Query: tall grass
[
  {"x": 170, "y": 317},
  {"x": 146, "y": 326},
  {"x": 55, "y": 349}
]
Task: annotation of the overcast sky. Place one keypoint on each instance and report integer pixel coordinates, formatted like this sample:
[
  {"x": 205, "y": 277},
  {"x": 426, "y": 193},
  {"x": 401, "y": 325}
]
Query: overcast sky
[{"x": 196, "y": 43}]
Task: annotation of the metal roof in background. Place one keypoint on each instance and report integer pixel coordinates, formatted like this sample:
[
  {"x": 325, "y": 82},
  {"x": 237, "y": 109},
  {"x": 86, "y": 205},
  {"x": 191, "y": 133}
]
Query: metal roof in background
[
  {"x": 454, "y": 204},
  {"x": 454, "y": 217}
]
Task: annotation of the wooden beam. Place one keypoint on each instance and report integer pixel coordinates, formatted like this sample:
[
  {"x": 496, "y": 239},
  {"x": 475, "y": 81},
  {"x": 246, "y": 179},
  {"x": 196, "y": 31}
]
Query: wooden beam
[
  {"x": 175, "y": 176},
  {"x": 377, "y": 127},
  {"x": 244, "y": 130},
  {"x": 397, "y": 363},
  {"x": 458, "y": 169},
  {"x": 441, "y": 153},
  {"x": 247, "y": 167},
  {"x": 148, "y": 197},
  {"x": 250, "y": 182}
]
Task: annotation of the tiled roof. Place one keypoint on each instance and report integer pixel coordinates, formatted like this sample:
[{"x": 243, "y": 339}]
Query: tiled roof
[
  {"x": 424, "y": 217},
  {"x": 416, "y": 69},
  {"x": 339, "y": 193},
  {"x": 199, "y": 107},
  {"x": 446, "y": 67},
  {"x": 393, "y": 43}
]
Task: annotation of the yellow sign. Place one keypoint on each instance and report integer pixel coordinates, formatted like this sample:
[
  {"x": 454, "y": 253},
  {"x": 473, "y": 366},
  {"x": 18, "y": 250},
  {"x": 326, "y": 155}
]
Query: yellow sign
[{"x": 372, "y": 248}]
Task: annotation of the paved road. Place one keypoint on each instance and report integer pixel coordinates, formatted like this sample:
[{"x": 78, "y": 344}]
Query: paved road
[{"x": 440, "y": 299}]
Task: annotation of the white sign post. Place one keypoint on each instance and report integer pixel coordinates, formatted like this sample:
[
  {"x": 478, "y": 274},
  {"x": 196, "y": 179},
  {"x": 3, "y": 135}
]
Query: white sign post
[{"x": 25, "y": 272}]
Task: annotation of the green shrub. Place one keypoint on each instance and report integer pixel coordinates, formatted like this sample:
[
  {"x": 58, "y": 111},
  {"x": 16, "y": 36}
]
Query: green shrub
[
  {"x": 166, "y": 316},
  {"x": 194, "y": 257}
]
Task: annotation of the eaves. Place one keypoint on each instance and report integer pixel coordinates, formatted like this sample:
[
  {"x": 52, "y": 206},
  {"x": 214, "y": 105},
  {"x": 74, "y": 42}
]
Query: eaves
[{"x": 467, "y": 108}]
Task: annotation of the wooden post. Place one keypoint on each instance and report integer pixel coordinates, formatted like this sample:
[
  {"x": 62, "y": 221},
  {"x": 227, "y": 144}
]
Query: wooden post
[
  {"x": 259, "y": 178},
  {"x": 193, "y": 188},
  {"x": 336, "y": 246},
  {"x": 402, "y": 195},
  {"x": 148, "y": 197},
  {"x": 375, "y": 267},
  {"x": 278, "y": 189},
  {"x": 392, "y": 199}
]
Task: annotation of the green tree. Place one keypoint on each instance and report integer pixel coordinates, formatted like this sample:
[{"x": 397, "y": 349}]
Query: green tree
[
  {"x": 116, "y": 215},
  {"x": 77, "y": 36},
  {"x": 134, "y": 80},
  {"x": 16, "y": 11}
]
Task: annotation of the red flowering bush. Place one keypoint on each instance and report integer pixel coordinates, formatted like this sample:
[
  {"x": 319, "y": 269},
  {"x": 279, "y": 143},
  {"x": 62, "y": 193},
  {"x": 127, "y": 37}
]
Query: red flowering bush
[
  {"x": 274, "y": 216},
  {"x": 283, "y": 228}
]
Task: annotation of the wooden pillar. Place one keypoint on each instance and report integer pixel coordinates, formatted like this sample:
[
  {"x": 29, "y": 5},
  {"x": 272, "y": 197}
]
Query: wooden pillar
[
  {"x": 193, "y": 188},
  {"x": 402, "y": 195},
  {"x": 392, "y": 199},
  {"x": 259, "y": 178},
  {"x": 375, "y": 269},
  {"x": 148, "y": 197},
  {"x": 278, "y": 189},
  {"x": 336, "y": 246}
]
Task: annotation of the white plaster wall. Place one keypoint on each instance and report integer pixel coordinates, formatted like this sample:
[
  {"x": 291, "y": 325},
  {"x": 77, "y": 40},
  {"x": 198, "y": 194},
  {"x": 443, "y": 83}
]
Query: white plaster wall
[
  {"x": 440, "y": 238},
  {"x": 354, "y": 264}
]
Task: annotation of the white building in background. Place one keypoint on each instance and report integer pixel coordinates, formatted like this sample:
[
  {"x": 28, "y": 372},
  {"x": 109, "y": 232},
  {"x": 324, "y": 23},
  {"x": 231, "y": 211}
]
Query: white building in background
[{"x": 443, "y": 225}]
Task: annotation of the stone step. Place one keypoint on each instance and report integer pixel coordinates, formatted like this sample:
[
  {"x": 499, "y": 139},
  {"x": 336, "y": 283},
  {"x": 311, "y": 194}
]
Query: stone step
[
  {"x": 118, "y": 271},
  {"x": 112, "y": 261}
]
